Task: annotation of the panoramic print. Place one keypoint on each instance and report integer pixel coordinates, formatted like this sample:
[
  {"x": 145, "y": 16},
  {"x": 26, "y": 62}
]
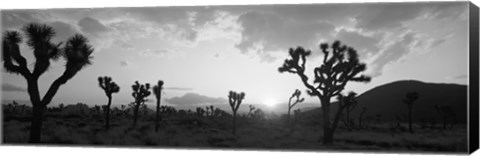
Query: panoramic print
[{"x": 387, "y": 77}]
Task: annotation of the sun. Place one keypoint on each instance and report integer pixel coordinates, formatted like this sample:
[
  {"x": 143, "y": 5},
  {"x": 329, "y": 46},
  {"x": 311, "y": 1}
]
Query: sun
[{"x": 270, "y": 102}]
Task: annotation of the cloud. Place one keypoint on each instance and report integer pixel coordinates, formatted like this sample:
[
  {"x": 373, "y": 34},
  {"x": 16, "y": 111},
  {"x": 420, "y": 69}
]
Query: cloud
[
  {"x": 12, "y": 88},
  {"x": 92, "y": 26},
  {"x": 124, "y": 63},
  {"x": 362, "y": 43},
  {"x": 387, "y": 15},
  {"x": 265, "y": 32},
  {"x": 393, "y": 15},
  {"x": 194, "y": 98},
  {"x": 393, "y": 52},
  {"x": 63, "y": 30},
  {"x": 463, "y": 76},
  {"x": 179, "y": 89},
  {"x": 162, "y": 53},
  {"x": 12, "y": 19}
]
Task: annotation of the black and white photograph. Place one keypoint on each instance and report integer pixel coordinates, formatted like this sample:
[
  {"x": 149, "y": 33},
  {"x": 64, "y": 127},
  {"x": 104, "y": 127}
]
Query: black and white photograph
[{"x": 389, "y": 77}]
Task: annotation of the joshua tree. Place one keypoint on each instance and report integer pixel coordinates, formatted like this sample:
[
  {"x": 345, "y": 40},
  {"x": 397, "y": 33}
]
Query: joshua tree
[
  {"x": 210, "y": 111},
  {"x": 296, "y": 113},
  {"x": 76, "y": 52},
  {"x": 157, "y": 90},
  {"x": 345, "y": 102},
  {"x": 348, "y": 109},
  {"x": 235, "y": 99},
  {"x": 446, "y": 112},
  {"x": 340, "y": 65},
  {"x": 140, "y": 93},
  {"x": 361, "y": 117},
  {"x": 295, "y": 95},
  {"x": 251, "y": 109},
  {"x": 109, "y": 87},
  {"x": 144, "y": 108},
  {"x": 200, "y": 111},
  {"x": 409, "y": 99}
]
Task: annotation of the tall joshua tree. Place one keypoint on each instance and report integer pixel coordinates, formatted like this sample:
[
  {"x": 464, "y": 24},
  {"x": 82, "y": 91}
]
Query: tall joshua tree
[
  {"x": 235, "y": 99},
  {"x": 76, "y": 52},
  {"x": 410, "y": 98},
  {"x": 109, "y": 87},
  {"x": 157, "y": 90},
  {"x": 295, "y": 95},
  {"x": 140, "y": 93},
  {"x": 340, "y": 65}
]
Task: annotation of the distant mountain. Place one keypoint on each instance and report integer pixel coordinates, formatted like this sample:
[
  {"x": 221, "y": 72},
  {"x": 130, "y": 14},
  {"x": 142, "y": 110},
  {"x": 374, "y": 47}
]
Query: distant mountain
[{"x": 386, "y": 101}]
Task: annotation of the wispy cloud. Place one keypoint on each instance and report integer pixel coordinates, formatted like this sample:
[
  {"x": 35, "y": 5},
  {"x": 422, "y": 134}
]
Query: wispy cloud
[
  {"x": 179, "y": 88},
  {"x": 12, "y": 88}
]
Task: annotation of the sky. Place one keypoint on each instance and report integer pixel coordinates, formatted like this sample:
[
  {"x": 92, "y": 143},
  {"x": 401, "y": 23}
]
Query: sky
[{"x": 203, "y": 52}]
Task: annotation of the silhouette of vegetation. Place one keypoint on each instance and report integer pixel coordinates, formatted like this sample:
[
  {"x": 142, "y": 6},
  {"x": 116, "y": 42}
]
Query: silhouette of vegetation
[
  {"x": 446, "y": 112},
  {"x": 410, "y": 98},
  {"x": 295, "y": 95},
  {"x": 76, "y": 52},
  {"x": 340, "y": 65},
  {"x": 140, "y": 93},
  {"x": 345, "y": 103},
  {"x": 251, "y": 109},
  {"x": 348, "y": 109},
  {"x": 109, "y": 87},
  {"x": 235, "y": 99},
  {"x": 157, "y": 90},
  {"x": 200, "y": 111}
]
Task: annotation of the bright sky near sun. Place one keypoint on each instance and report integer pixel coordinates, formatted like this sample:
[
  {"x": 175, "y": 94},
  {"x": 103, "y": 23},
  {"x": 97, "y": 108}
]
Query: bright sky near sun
[{"x": 202, "y": 52}]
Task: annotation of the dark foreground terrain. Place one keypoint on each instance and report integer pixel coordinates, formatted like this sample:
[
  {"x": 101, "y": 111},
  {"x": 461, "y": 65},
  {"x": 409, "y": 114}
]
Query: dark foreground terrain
[{"x": 191, "y": 130}]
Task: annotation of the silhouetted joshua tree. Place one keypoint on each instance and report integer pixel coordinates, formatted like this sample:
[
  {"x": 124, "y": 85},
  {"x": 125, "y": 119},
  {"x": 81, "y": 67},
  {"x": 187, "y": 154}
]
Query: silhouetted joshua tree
[
  {"x": 157, "y": 90},
  {"x": 295, "y": 95},
  {"x": 140, "y": 93},
  {"x": 76, "y": 52},
  {"x": 348, "y": 109},
  {"x": 235, "y": 99},
  {"x": 251, "y": 109},
  {"x": 345, "y": 103},
  {"x": 109, "y": 87},
  {"x": 200, "y": 111},
  {"x": 446, "y": 112},
  {"x": 340, "y": 65},
  {"x": 409, "y": 99}
]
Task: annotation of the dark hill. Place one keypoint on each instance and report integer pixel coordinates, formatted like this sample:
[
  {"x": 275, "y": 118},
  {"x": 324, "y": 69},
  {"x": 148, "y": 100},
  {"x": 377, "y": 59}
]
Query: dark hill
[{"x": 386, "y": 101}]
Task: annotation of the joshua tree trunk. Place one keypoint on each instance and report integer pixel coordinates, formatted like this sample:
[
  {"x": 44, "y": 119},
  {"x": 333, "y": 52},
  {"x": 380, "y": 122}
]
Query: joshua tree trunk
[
  {"x": 234, "y": 123},
  {"x": 327, "y": 128},
  {"x": 410, "y": 119},
  {"x": 37, "y": 119},
  {"x": 157, "y": 119},
  {"x": 135, "y": 114},
  {"x": 107, "y": 117}
]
